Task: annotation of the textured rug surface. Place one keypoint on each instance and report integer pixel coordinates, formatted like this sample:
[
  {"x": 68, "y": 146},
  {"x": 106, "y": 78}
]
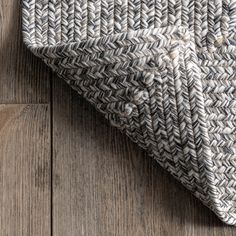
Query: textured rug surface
[{"x": 162, "y": 71}]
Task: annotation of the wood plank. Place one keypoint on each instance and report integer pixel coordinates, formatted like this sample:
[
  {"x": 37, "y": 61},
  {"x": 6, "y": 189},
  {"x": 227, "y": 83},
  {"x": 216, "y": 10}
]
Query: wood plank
[
  {"x": 24, "y": 170},
  {"x": 104, "y": 185},
  {"x": 23, "y": 77}
]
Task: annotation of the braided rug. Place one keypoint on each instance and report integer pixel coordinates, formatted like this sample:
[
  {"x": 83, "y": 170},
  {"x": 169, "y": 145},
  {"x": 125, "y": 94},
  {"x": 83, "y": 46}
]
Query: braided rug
[{"x": 162, "y": 71}]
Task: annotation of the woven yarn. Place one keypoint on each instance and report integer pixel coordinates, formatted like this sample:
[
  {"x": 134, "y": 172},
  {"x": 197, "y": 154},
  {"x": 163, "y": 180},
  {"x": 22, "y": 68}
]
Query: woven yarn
[{"x": 162, "y": 71}]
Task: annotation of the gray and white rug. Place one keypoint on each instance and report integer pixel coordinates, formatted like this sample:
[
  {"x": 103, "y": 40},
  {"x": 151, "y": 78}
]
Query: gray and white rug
[{"x": 162, "y": 71}]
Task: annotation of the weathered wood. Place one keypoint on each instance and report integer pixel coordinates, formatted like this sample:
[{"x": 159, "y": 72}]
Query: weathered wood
[
  {"x": 104, "y": 185},
  {"x": 23, "y": 77},
  {"x": 24, "y": 170}
]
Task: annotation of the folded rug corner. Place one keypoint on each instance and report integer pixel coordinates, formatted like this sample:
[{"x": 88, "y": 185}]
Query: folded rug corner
[{"x": 161, "y": 71}]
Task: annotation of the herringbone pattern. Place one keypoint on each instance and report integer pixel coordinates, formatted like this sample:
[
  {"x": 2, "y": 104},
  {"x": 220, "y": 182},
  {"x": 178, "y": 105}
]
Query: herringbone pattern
[{"x": 161, "y": 71}]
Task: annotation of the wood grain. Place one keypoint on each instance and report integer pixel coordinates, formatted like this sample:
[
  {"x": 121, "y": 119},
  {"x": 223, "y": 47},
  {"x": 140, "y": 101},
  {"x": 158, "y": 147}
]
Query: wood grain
[
  {"x": 25, "y": 146},
  {"x": 24, "y": 170},
  {"x": 103, "y": 185},
  {"x": 24, "y": 78}
]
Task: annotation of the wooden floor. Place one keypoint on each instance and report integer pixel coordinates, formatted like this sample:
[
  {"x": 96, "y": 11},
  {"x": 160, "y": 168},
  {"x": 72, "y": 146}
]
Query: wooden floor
[{"x": 65, "y": 172}]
